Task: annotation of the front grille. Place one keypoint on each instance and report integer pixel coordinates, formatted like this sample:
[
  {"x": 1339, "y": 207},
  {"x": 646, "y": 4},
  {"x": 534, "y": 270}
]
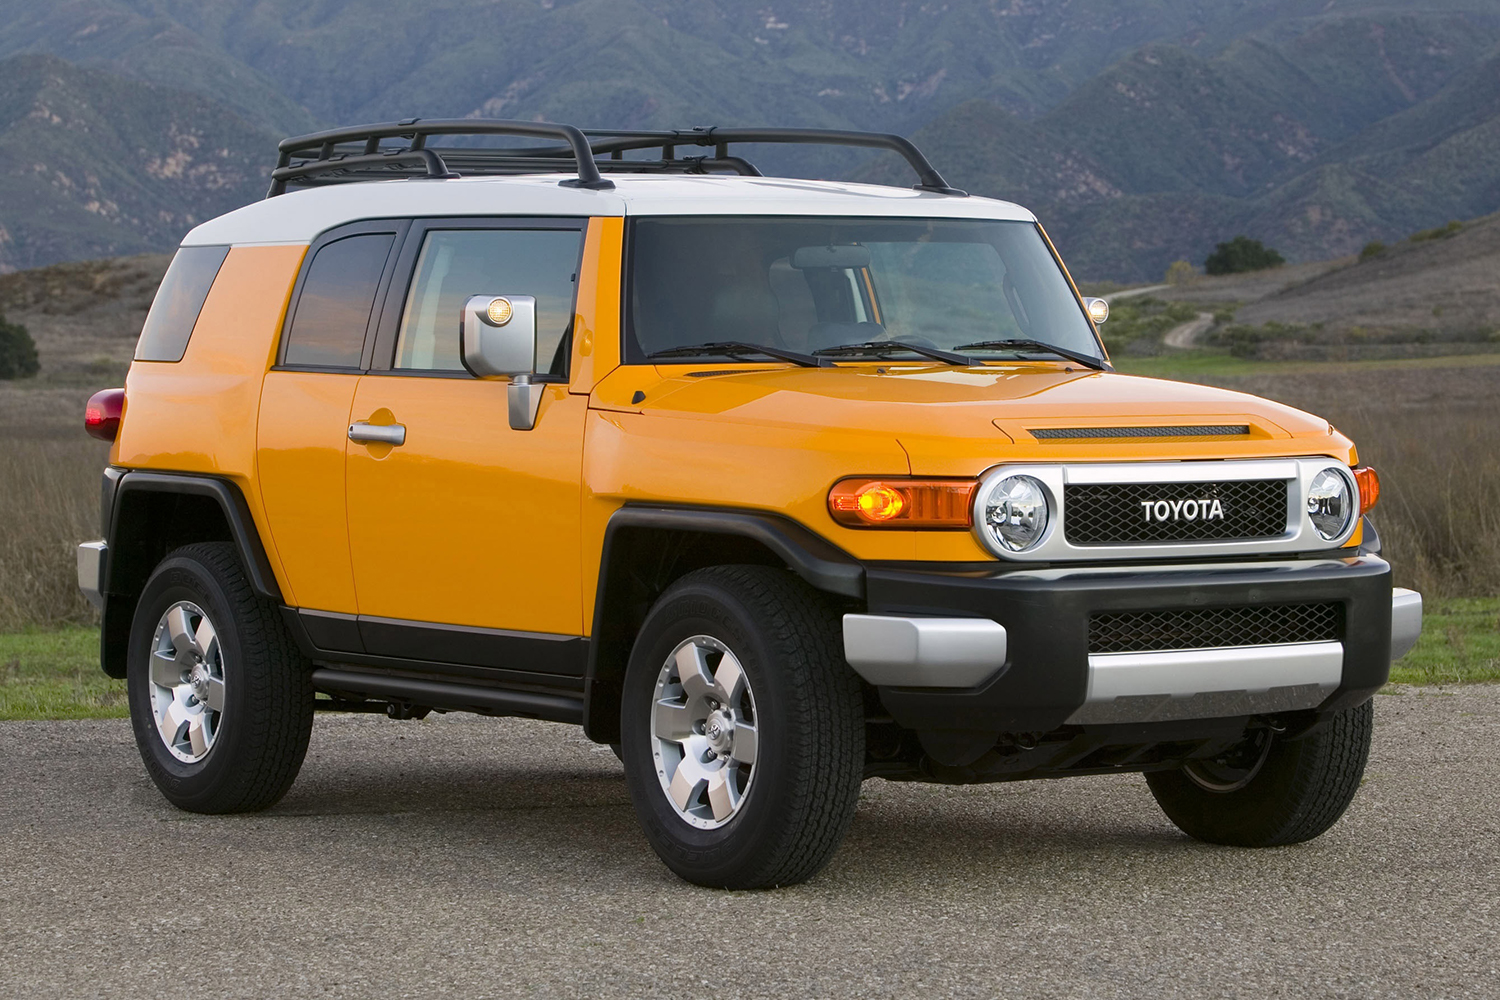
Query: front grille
[
  {"x": 1093, "y": 433},
  {"x": 1210, "y": 628},
  {"x": 1112, "y": 513}
]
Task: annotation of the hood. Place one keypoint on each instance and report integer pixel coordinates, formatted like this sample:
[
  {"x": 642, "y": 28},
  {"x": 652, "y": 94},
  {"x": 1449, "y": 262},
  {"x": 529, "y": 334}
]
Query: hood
[{"x": 953, "y": 421}]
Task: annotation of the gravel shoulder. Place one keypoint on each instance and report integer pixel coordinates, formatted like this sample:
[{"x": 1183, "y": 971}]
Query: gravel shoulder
[{"x": 472, "y": 857}]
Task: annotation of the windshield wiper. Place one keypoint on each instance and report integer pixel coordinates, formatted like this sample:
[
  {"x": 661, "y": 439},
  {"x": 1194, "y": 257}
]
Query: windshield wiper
[
  {"x": 1036, "y": 345},
  {"x": 891, "y": 346},
  {"x": 735, "y": 348}
]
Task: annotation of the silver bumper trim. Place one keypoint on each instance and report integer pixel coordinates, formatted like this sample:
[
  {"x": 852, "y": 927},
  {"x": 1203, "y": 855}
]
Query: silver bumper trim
[
  {"x": 91, "y": 571},
  {"x": 1209, "y": 683},
  {"x": 1406, "y": 621},
  {"x": 924, "y": 652}
]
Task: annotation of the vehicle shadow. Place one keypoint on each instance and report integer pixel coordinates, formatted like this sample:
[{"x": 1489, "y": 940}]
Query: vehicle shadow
[{"x": 575, "y": 815}]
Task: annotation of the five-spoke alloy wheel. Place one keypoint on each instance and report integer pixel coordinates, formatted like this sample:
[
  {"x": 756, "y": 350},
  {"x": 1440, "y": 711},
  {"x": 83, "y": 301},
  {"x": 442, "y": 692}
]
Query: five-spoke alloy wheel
[
  {"x": 703, "y": 721},
  {"x": 187, "y": 681}
]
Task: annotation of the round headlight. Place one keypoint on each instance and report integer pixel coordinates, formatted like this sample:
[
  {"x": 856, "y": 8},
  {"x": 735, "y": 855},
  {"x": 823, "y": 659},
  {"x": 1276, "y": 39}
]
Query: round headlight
[
  {"x": 1330, "y": 503},
  {"x": 1013, "y": 513}
]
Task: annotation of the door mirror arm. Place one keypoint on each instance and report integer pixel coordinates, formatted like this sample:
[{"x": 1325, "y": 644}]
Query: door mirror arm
[{"x": 524, "y": 398}]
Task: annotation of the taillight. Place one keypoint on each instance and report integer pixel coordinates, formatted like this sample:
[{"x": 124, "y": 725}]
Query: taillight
[
  {"x": 101, "y": 415},
  {"x": 902, "y": 503},
  {"x": 1369, "y": 487}
]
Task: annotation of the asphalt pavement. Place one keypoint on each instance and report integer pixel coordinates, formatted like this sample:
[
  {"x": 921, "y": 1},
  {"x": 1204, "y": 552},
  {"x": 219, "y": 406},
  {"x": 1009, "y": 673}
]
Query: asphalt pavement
[{"x": 468, "y": 857}]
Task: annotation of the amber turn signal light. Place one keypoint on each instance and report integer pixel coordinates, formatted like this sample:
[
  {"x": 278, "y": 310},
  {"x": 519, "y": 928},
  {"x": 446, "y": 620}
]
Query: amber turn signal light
[
  {"x": 101, "y": 414},
  {"x": 902, "y": 503},
  {"x": 1369, "y": 487}
]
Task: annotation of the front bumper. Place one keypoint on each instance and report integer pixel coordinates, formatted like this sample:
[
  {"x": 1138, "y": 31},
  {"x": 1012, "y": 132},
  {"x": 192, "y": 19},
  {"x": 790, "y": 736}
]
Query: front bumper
[{"x": 1022, "y": 662}]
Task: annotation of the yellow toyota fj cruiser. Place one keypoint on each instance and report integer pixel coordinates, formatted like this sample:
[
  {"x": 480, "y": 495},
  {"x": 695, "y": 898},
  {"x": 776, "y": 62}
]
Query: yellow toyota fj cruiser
[{"x": 774, "y": 485}]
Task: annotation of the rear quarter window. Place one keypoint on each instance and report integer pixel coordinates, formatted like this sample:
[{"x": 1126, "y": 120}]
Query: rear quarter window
[
  {"x": 179, "y": 300},
  {"x": 333, "y": 309}
]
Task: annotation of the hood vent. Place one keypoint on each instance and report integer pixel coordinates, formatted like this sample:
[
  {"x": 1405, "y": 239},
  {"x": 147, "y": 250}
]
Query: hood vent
[{"x": 1095, "y": 433}]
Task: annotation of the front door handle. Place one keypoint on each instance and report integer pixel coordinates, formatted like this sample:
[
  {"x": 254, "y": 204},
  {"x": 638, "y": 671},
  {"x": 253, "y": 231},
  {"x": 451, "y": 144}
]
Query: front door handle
[{"x": 391, "y": 434}]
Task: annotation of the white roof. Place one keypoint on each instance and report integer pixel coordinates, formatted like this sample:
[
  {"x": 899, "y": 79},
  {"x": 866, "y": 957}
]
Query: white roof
[{"x": 300, "y": 215}]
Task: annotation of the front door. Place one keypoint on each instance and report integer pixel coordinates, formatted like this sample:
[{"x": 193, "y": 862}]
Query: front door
[{"x": 466, "y": 523}]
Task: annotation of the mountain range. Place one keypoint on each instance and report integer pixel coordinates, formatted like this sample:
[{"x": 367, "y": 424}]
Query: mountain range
[{"x": 1139, "y": 132}]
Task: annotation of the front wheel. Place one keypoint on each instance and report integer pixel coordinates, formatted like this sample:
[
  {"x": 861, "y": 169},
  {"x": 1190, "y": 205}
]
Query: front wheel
[
  {"x": 743, "y": 729},
  {"x": 1268, "y": 792},
  {"x": 221, "y": 700}
]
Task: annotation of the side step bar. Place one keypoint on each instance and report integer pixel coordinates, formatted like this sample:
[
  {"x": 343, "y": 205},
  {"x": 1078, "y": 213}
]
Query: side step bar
[{"x": 450, "y": 695}]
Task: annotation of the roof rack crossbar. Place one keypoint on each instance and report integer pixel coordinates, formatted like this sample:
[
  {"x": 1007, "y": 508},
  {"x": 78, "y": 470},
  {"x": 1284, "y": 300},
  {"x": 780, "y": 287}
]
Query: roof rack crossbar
[{"x": 319, "y": 146}]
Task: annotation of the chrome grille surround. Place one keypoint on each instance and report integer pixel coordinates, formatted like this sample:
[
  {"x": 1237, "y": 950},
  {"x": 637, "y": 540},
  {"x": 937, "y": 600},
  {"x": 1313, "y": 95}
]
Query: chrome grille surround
[
  {"x": 1111, "y": 513},
  {"x": 1298, "y": 535}
]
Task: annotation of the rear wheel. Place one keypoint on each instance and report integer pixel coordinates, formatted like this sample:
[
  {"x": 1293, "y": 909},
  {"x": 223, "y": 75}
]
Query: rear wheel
[
  {"x": 221, "y": 699},
  {"x": 743, "y": 731},
  {"x": 1268, "y": 791}
]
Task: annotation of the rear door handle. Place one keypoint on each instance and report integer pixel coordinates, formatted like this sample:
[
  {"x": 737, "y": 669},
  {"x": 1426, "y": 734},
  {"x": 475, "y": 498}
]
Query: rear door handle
[{"x": 391, "y": 434}]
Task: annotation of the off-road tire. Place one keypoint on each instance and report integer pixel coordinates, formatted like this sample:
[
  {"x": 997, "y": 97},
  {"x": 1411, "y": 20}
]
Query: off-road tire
[
  {"x": 1301, "y": 789},
  {"x": 268, "y": 694},
  {"x": 810, "y": 718}
]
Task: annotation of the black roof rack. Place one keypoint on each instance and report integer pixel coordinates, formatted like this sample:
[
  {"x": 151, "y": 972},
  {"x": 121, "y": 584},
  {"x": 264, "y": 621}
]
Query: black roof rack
[{"x": 358, "y": 152}]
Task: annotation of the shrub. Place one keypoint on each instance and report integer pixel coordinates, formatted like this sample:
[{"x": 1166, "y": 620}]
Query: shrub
[
  {"x": 17, "y": 351},
  {"x": 1437, "y": 232},
  {"x": 1242, "y": 254},
  {"x": 1180, "y": 273},
  {"x": 1374, "y": 248}
]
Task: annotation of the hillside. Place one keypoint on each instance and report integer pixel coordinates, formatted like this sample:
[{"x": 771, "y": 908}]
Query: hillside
[
  {"x": 868, "y": 63},
  {"x": 97, "y": 165},
  {"x": 1141, "y": 132},
  {"x": 1447, "y": 283},
  {"x": 84, "y": 315},
  {"x": 1358, "y": 128}
]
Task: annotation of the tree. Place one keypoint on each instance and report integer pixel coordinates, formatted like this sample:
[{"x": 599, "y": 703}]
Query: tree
[
  {"x": 17, "y": 351},
  {"x": 1180, "y": 273},
  {"x": 1242, "y": 254}
]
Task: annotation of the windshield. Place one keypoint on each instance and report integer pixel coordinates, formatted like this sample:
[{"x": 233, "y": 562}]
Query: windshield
[{"x": 811, "y": 284}]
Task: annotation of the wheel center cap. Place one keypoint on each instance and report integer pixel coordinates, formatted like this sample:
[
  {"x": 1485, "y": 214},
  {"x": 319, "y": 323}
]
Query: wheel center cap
[
  {"x": 198, "y": 681},
  {"x": 720, "y": 731}
]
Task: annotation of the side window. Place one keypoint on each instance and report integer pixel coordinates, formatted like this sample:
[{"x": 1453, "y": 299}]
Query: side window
[
  {"x": 178, "y": 302},
  {"x": 455, "y": 264},
  {"x": 328, "y": 327}
]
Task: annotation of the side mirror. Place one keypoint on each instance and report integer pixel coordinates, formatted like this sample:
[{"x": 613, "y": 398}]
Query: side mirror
[
  {"x": 1098, "y": 309},
  {"x": 497, "y": 337}
]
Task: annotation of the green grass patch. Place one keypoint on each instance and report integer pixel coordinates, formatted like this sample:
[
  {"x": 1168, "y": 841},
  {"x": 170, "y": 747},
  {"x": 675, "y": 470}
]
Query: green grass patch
[
  {"x": 56, "y": 675},
  {"x": 1460, "y": 644}
]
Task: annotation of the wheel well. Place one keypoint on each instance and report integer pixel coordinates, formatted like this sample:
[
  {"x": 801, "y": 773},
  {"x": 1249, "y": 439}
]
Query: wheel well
[
  {"x": 640, "y": 563},
  {"x": 151, "y": 519}
]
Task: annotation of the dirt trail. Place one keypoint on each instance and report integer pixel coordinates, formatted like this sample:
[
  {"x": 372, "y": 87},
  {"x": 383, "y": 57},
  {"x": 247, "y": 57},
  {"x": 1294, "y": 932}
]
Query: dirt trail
[
  {"x": 1131, "y": 293},
  {"x": 1185, "y": 334}
]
